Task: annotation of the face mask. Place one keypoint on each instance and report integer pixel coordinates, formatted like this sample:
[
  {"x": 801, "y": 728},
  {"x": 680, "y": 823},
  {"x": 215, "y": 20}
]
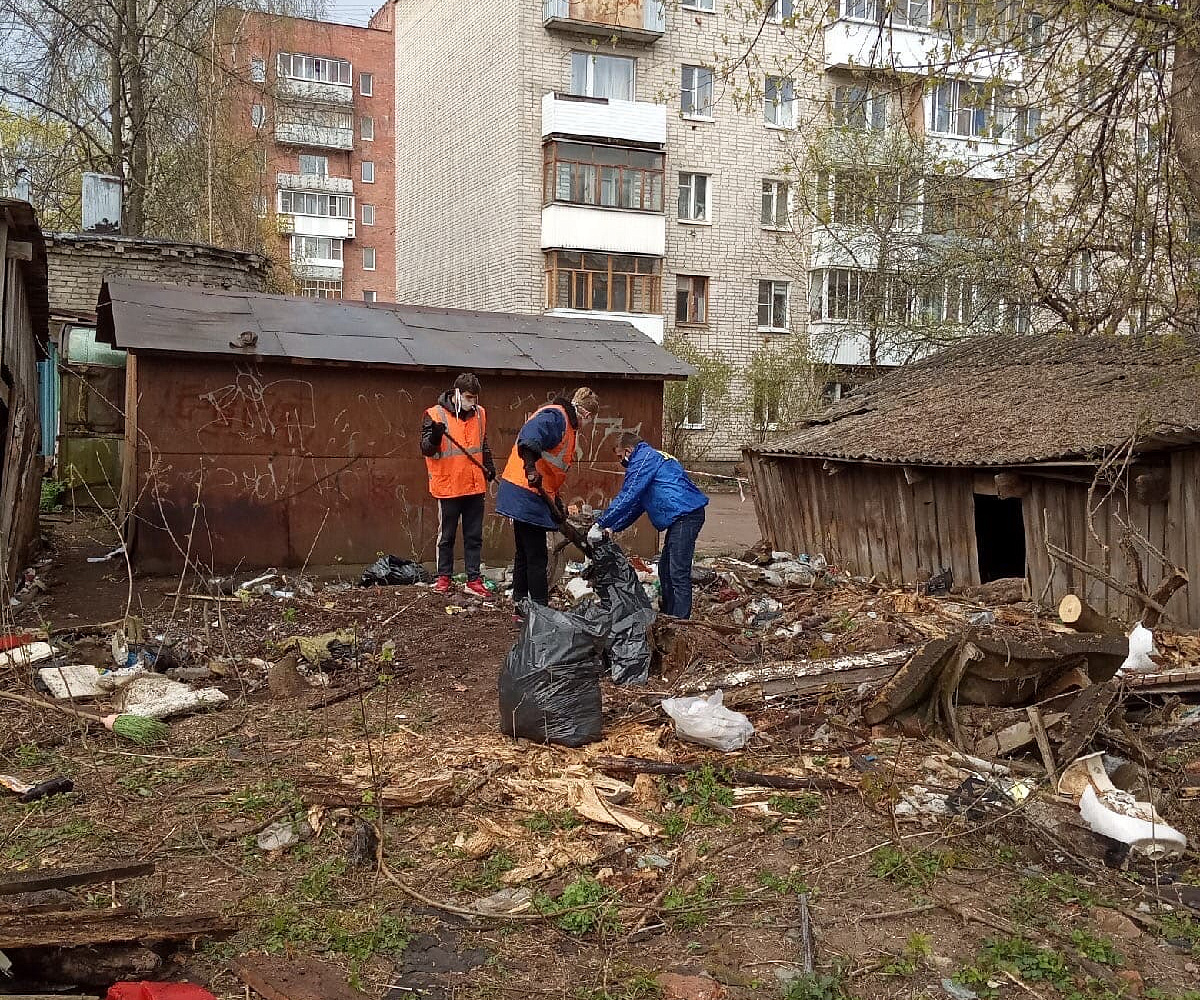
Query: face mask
[{"x": 460, "y": 404}]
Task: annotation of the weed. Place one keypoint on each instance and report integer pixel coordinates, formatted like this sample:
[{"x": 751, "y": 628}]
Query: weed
[
  {"x": 818, "y": 986},
  {"x": 1154, "y": 993},
  {"x": 916, "y": 952},
  {"x": 690, "y": 907},
  {"x": 264, "y": 797},
  {"x": 916, "y": 870},
  {"x": 674, "y": 825},
  {"x": 488, "y": 876},
  {"x": 1031, "y": 962},
  {"x": 581, "y": 908},
  {"x": 1183, "y": 928},
  {"x": 790, "y": 884},
  {"x": 641, "y": 986},
  {"x": 547, "y": 822},
  {"x": 290, "y": 613},
  {"x": 804, "y": 805},
  {"x": 52, "y": 492},
  {"x": 35, "y": 839},
  {"x": 29, "y": 755},
  {"x": 1098, "y": 949},
  {"x": 704, "y": 792},
  {"x": 358, "y": 935}
]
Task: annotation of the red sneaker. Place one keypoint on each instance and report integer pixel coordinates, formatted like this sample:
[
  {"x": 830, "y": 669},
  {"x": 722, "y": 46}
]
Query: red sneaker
[
  {"x": 477, "y": 588},
  {"x": 442, "y": 586}
]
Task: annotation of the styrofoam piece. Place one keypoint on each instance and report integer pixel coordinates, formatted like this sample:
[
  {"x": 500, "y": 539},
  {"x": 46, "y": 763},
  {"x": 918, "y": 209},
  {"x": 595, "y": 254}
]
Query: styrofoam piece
[
  {"x": 1141, "y": 648},
  {"x": 578, "y": 588},
  {"x": 73, "y": 680},
  {"x": 158, "y": 697},
  {"x": 30, "y": 653},
  {"x": 1119, "y": 816}
]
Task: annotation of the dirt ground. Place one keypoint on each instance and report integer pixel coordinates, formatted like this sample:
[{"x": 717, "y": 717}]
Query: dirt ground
[{"x": 989, "y": 905}]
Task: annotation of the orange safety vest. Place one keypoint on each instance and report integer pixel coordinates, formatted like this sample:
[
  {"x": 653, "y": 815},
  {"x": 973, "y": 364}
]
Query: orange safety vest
[
  {"x": 451, "y": 471},
  {"x": 552, "y": 464}
]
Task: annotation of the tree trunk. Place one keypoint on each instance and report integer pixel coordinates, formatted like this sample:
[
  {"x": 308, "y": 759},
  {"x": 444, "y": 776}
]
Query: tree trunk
[
  {"x": 136, "y": 182},
  {"x": 1185, "y": 95},
  {"x": 116, "y": 108}
]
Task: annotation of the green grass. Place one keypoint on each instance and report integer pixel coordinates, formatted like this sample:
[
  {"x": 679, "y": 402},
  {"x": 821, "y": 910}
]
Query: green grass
[
  {"x": 640, "y": 986},
  {"x": 1098, "y": 949},
  {"x": 912, "y": 869},
  {"x": 51, "y": 832},
  {"x": 583, "y": 907},
  {"x": 689, "y": 908},
  {"x": 790, "y": 884},
  {"x": 1181, "y": 927},
  {"x": 703, "y": 793},
  {"x": 818, "y": 986},
  {"x": 805, "y": 805},
  {"x": 359, "y": 935},
  {"x": 488, "y": 875},
  {"x": 548, "y": 822},
  {"x": 917, "y": 951}
]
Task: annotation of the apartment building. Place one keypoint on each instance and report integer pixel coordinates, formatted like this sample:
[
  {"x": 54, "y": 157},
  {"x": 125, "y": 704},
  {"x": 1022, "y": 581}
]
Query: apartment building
[{"x": 316, "y": 100}]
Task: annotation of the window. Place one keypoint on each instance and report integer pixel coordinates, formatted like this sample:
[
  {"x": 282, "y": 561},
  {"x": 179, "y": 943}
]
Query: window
[
  {"x": 961, "y": 204},
  {"x": 880, "y": 199},
  {"x": 333, "y": 206},
  {"x": 691, "y": 300},
  {"x": 860, "y": 109},
  {"x": 914, "y": 13},
  {"x": 321, "y": 118},
  {"x": 969, "y": 109},
  {"x": 368, "y": 296},
  {"x": 979, "y": 19},
  {"x": 693, "y": 406},
  {"x": 315, "y": 69},
  {"x": 260, "y": 205},
  {"x": 693, "y": 198},
  {"x": 781, "y": 10},
  {"x": 316, "y": 248},
  {"x": 1081, "y": 275},
  {"x": 604, "y": 176},
  {"x": 257, "y": 115},
  {"x": 779, "y": 102},
  {"x": 368, "y": 215},
  {"x": 773, "y": 305},
  {"x": 319, "y": 289},
  {"x": 366, "y": 129},
  {"x": 775, "y": 205},
  {"x": 368, "y": 172},
  {"x": 706, "y": 6},
  {"x": 316, "y": 166},
  {"x": 258, "y": 70},
  {"x": 366, "y": 84},
  {"x": 595, "y": 75},
  {"x": 696, "y": 93},
  {"x": 604, "y": 282},
  {"x": 368, "y": 258}
]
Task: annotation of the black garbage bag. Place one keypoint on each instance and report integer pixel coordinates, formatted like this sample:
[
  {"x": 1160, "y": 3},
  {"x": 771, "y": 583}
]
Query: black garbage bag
[
  {"x": 550, "y": 681},
  {"x": 392, "y": 571},
  {"x": 620, "y": 593}
]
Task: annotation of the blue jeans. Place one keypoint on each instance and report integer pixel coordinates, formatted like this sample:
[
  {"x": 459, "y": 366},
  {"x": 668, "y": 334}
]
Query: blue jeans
[{"x": 675, "y": 564}]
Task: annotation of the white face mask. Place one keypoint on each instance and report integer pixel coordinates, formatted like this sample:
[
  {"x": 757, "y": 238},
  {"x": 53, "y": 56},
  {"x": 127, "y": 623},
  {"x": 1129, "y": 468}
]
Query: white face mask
[{"x": 462, "y": 405}]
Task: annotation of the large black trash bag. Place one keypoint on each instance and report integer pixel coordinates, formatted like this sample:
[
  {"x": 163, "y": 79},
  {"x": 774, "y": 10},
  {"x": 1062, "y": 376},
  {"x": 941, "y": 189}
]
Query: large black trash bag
[
  {"x": 550, "y": 681},
  {"x": 392, "y": 571},
  {"x": 630, "y": 612}
]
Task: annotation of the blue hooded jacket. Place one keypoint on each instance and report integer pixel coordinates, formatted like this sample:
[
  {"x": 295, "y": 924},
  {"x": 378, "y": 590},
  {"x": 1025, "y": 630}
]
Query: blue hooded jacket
[
  {"x": 656, "y": 485},
  {"x": 541, "y": 432}
]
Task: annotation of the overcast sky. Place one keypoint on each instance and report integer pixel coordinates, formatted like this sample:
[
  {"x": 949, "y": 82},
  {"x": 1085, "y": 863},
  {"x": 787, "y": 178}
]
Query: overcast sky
[{"x": 352, "y": 11}]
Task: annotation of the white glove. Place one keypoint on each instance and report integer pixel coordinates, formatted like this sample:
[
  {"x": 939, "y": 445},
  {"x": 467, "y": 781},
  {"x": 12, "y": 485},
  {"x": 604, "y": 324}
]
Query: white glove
[{"x": 595, "y": 533}]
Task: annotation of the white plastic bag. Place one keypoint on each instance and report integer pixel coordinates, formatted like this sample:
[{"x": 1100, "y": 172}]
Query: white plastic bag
[
  {"x": 1141, "y": 648},
  {"x": 708, "y": 722}
]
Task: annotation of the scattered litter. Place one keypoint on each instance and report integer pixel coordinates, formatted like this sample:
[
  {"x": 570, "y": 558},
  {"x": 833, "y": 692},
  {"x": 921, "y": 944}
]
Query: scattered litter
[
  {"x": 1141, "y": 648},
  {"x": 118, "y": 551},
  {"x": 708, "y": 722},
  {"x": 281, "y": 835},
  {"x": 82, "y": 680},
  {"x": 23, "y": 656},
  {"x": 158, "y": 991},
  {"x": 318, "y": 649},
  {"x": 958, "y": 991},
  {"x": 578, "y": 588},
  {"x": 156, "y": 697},
  {"x": 648, "y": 861},
  {"x": 392, "y": 571},
  {"x": 511, "y": 899},
  {"x": 26, "y": 792}
]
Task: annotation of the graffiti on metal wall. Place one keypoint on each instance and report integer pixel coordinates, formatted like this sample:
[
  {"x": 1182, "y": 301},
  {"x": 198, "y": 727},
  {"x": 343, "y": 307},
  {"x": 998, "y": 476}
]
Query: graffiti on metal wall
[{"x": 257, "y": 411}]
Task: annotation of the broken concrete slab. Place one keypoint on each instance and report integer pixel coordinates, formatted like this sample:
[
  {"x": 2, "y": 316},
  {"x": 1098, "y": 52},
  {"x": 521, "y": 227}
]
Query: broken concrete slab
[{"x": 297, "y": 977}]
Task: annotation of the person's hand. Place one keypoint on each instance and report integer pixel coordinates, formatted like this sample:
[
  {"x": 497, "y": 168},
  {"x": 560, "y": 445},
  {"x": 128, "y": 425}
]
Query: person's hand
[
  {"x": 595, "y": 533},
  {"x": 439, "y": 427},
  {"x": 573, "y": 509},
  {"x": 489, "y": 474},
  {"x": 534, "y": 479}
]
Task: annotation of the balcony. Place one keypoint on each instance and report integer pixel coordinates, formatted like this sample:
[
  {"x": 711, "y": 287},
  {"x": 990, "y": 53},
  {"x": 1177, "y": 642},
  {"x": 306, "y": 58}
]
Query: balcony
[
  {"x": 856, "y": 44},
  {"x": 846, "y": 345},
  {"x": 316, "y": 269},
  {"x": 288, "y": 88},
  {"x": 650, "y": 325},
  {"x": 636, "y": 22},
  {"x": 604, "y": 118},
  {"x": 315, "y": 225},
  {"x": 981, "y": 158},
  {"x": 604, "y": 230},
  {"x": 315, "y": 136},
  {"x": 314, "y": 182}
]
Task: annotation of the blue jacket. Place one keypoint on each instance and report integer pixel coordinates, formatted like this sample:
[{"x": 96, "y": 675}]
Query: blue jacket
[
  {"x": 656, "y": 485},
  {"x": 541, "y": 432}
]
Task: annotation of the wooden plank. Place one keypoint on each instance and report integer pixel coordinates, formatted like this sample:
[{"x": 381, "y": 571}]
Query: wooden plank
[
  {"x": 1031, "y": 515},
  {"x": 906, "y": 528},
  {"x": 925, "y": 514},
  {"x": 293, "y": 978},
  {"x": 1091, "y": 590},
  {"x": 877, "y": 516},
  {"x": 130, "y": 486},
  {"x": 893, "y": 535},
  {"x": 1191, "y": 508},
  {"x": 13, "y": 883},
  {"x": 966, "y": 508},
  {"x": 17, "y": 250},
  {"x": 77, "y": 929},
  {"x": 1179, "y": 494},
  {"x": 952, "y": 527}
]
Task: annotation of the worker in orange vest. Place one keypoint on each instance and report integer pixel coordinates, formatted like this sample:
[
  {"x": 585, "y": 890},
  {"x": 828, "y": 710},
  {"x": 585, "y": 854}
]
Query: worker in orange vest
[
  {"x": 540, "y": 458},
  {"x": 454, "y": 443}
]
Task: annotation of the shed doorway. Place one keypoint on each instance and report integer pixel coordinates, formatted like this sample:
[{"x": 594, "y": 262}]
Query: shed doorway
[{"x": 999, "y": 537}]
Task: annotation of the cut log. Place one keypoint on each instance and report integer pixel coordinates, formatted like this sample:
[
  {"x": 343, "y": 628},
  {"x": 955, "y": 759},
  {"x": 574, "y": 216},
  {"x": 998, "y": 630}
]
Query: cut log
[
  {"x": 1043, "y": 743},
  {"x": 806, "y": 676},
  {"x": 94, "y": 968},
  {"x": 1162, "y": 594},
  {"x": 322, "y": 790},
  {"x": 68, "y": 877},
  {"x": 1082, "y": 617},
  {"x": 296, "y": 978},
  {"x": 85, "y": 928},
  {"x": 638, "y": 765},
  {"x": 1008, "y": 590}
]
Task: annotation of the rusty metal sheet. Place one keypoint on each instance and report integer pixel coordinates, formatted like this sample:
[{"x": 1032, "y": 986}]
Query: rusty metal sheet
[
  {"x": 93, "y": 400},
  {"x": 292, "y": 460}
]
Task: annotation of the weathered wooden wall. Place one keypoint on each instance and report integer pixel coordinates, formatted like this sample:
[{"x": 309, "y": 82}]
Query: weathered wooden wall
[
  {"x": 280, "y": 464},
  {"x": 870, "y": 520}
]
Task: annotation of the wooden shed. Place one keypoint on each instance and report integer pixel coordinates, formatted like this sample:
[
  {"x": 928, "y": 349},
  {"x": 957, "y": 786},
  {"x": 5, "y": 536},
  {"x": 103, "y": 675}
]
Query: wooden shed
[
  {"x": 1006, "y": 456},
  {"x": 23, "y": 319},
  {"x": 269, "y": 430}
]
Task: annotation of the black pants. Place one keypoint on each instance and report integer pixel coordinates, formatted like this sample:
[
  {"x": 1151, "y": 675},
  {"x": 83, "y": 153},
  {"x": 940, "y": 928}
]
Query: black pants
[
  {"x": 529, "y": 563},
  {"x": 470, "y": 509}
]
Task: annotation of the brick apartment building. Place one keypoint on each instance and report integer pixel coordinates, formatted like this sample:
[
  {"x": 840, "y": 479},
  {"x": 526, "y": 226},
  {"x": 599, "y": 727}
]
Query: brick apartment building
[{"x": 319, "y": 98}]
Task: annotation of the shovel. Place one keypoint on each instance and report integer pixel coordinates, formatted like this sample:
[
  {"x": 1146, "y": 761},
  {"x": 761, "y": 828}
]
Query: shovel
[{"x": 570, "y": 532}]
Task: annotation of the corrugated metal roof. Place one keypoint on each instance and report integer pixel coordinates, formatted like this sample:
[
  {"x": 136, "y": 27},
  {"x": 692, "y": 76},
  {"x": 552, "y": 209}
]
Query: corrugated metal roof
[
  {"x": 153, "y": 316},
  {"x": 1014, "y": 400}
]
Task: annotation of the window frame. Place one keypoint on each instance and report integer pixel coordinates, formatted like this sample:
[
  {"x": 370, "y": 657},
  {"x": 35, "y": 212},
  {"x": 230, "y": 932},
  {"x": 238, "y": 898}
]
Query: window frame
[
  {"x": 695, "y": 90},
  {"x": 369, "y": 80},
  {"x": 641, "y": 286},
  {"x": 874, "y": 107},
  {"x": 335, "y": 243},
  {"x": 364, "y": 206},
  {"x": 318, "y": 285},
  {"x": 697, "y": 6},
  {"x": 780, "y": 11},
  {"x": 783, "y": 85},
  {"x": 776, "y": 185},
  {"x": 699, "y": 289},
  {"x": 770, "y": 285},
  {"x": 692, "y": 219},
  {"x": 374, "y": 296},
  {"x": 290, "y": 73},
  {"x": 772, "y": 407},
  {"x": 368, "y": 253},
  {"x": 366, "y": 128},
  {"x": 258, "y": 69},
  {"x": 693, "y": 401},
  {"x": 589, "y": 82},
  {"x": 286, "y": 204},
  {"x": 555, "y": 157},
  {"x": 316, "y": 157},
  {"x": 258, "y": 116},
  {"x": 365, "y": 167}
]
